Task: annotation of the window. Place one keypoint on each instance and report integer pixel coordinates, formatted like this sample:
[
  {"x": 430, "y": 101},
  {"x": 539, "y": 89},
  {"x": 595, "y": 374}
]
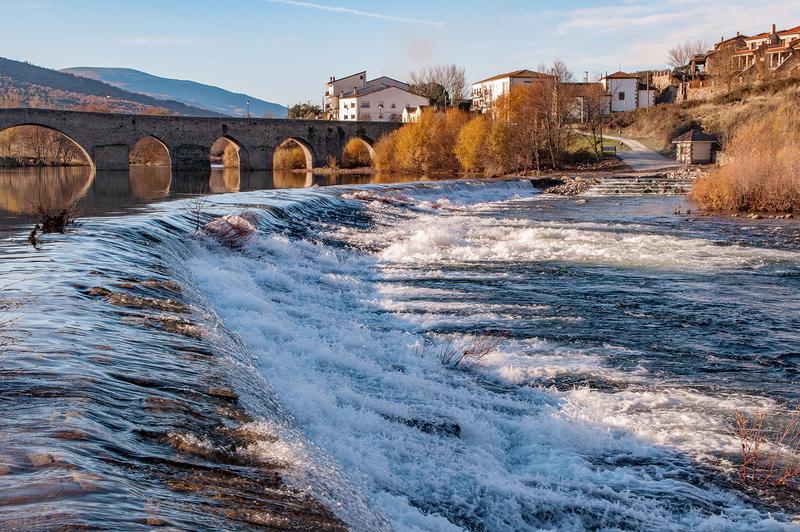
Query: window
[
  {"x": 394, "y": 106},
  {"x": 622, "y": 96},
  {"x": 365, "y": 105}
]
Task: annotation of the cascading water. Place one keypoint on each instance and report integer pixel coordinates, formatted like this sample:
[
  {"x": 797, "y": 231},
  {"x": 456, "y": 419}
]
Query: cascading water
[{"x": 298, "y": 381}]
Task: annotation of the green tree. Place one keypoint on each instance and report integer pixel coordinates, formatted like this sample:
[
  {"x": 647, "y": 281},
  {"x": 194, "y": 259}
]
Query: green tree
[{"x": 305, "y": 111}]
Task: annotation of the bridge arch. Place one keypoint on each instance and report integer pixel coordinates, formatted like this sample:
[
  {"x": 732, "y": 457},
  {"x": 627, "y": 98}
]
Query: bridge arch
[
  {"x": 149, "y": 151},
  {"x": 358, "y": 152},
  {"x": 283, "y": 159},
  {"x": 228, "y": 152},
  {"x": 46, "y": 142}
]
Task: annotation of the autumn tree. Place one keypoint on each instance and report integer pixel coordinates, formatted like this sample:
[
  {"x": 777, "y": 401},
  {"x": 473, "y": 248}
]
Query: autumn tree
[{"x": 471, "y": 148}]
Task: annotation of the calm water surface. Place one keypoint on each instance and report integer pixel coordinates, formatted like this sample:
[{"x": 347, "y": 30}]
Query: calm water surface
[{"x": 153, "y": 376}]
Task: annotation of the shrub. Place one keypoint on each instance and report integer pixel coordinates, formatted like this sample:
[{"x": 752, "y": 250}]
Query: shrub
[
  {"x": 356, "y": 154},
  {"x": 386, "y": 151},
  {"x": 54, "y": 218},
  {"x": 289, "y": 157},
  {"x": 763, "y": 166},
  {"x": 426, "y": 145}
]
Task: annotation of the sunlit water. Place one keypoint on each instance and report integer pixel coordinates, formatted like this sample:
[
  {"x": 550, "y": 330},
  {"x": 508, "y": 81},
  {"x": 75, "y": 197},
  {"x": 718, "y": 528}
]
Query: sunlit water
[{"x": 157, "y": 377}]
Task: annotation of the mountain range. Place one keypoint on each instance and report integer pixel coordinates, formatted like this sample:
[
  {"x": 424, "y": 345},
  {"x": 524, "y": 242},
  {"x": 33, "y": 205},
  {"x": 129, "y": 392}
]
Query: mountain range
[
  {"x": 191, "y": 93},
  {"x": 26, "y": 85}
]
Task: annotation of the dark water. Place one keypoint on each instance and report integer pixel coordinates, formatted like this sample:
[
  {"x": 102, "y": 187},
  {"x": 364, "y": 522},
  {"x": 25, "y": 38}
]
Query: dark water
[{"x": 156, "y": 377}]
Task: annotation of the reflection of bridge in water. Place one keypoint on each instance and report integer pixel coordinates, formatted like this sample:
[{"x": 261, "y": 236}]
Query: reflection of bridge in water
[
  {"x": 22, "y": 190},
  {"x": 107, "y": 139}
]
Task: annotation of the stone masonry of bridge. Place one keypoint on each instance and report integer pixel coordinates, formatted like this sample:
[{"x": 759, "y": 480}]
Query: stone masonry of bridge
[{"x": 108, "y": 138}]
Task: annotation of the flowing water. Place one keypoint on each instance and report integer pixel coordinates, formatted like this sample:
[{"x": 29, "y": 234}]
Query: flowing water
[{"x": 154, "y": 376}]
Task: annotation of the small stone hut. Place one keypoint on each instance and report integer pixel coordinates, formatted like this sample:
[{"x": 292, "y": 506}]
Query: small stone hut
[{"x": 695, "y": 147}]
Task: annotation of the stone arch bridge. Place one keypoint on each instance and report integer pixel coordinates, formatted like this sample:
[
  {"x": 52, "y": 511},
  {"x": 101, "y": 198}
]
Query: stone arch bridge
[{"x": 107, "y": 138}]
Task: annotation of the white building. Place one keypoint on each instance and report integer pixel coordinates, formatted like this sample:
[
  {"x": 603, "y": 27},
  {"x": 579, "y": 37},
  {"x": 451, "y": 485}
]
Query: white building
[
  {"x": 413, "y": 114},
  {"x": 380, "y": 103},
  {"x": 627, "y": 93},
  {"x": 487, "y": 91},
  {"x": 379, "y": 100}
]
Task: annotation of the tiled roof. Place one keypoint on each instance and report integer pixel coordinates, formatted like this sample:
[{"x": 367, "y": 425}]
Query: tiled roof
[
  {"x": 695, "y": 135},
  {"x": 620, "y": 75},
  {"x": 373, "y": 89},
  {"x": 517, "y": 74}
]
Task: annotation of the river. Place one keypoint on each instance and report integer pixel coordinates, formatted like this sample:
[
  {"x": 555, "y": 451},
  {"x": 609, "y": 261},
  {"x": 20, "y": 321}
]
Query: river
[{"x": 305, "y": 380}]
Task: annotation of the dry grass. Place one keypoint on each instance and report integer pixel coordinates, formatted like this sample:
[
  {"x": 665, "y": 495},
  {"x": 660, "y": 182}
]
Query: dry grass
[
  {"x": 195, "y": 209},
  {"x": 762, "y": 166},
  {"x": 770, "y": 456},
  {"x": 454, "y": 356}
]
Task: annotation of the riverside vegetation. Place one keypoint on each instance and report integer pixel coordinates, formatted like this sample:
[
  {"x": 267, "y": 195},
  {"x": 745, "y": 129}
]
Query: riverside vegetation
[
  {"x": 531, "y": 130},
  {"x": 758, "y": 127}
]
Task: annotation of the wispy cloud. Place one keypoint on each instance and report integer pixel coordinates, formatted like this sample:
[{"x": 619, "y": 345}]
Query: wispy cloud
[
  {"x": 26, "y": 6},
  {"x": 355, "y": 12},
  {"x": 160, "y": 41}
]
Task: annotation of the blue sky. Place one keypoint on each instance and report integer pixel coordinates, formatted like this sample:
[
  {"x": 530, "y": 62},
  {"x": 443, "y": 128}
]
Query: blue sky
[{"x": 284, "y": 50}]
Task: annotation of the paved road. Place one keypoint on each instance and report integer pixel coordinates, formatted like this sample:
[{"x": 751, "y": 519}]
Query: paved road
[{"x": 641, "y": 157}]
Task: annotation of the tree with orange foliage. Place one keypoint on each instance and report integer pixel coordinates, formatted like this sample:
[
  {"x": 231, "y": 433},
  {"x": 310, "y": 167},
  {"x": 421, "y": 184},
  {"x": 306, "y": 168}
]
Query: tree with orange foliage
[{"x": 472, "y": 149}]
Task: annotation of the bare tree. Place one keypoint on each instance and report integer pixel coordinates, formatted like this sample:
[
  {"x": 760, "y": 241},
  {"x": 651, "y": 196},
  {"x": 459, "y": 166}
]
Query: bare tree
[
  {"x": 447, "y": 83},
  {"x": 595, "y": 108},
  {"x": 682, "y": 53}
]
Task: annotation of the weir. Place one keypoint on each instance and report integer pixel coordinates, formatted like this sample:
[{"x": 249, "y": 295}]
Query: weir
[{"x": 107, "y": 139}]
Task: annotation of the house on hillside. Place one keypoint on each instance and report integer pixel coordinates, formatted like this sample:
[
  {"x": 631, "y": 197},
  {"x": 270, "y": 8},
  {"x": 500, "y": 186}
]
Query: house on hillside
[
  {"x": 378, "y": 100},
  {"x": 769, "y": 52},
  {"x": 486, "y": 92},
  {"x": 627, "y": 92},
  {"x": 742, "y": 58}
]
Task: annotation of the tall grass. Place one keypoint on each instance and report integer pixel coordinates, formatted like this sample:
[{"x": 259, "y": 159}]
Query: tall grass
[{"x": 762, "y": 169}]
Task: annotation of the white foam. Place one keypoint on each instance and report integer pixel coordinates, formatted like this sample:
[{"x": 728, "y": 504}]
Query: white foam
[
  {"x": 467, "y": 238},
  {"x": 343, "y": 350}
]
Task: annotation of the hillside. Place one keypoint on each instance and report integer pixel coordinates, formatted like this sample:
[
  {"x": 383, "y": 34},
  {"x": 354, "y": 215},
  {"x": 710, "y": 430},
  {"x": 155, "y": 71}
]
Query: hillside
[
  {"x": 722, "y": 114},
  {"x": 43, "y": 87},
  {"x": 188, "y": 92}
]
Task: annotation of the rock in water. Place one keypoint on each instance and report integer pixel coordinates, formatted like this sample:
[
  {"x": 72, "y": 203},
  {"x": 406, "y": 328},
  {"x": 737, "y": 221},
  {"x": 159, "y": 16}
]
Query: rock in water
[{"x": 232, "y": 230}]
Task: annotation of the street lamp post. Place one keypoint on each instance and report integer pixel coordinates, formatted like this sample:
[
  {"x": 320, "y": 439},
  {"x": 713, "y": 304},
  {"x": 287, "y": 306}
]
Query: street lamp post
[{"x": 248, "y": 108}]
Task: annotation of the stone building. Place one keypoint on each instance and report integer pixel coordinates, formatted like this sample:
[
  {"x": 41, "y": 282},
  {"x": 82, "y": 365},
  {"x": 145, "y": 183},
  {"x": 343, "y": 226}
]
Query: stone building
[{"x": 695, "y": 147}]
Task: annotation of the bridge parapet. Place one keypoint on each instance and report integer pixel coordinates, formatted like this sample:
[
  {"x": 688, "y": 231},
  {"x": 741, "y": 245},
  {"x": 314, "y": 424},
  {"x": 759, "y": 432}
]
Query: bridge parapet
[{"x": 108, "y": 138}]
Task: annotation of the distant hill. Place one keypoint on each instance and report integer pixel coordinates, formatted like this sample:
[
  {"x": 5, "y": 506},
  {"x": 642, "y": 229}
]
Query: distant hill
[
  {"x": 188, "y": 92},
  {"x": 44, "y": 87}
]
